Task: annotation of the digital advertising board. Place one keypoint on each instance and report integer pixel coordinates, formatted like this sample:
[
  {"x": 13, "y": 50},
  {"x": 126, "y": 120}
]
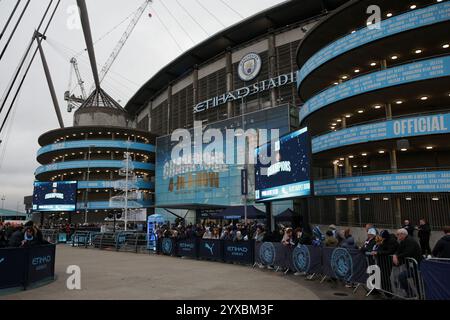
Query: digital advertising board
[
  {"x": 287, "y": 173},
  {"x": 55, "y": 196}
]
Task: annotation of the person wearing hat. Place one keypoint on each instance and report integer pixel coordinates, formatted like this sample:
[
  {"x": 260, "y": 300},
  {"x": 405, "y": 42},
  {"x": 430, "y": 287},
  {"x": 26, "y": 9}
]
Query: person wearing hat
[
  {"x": 370, "y": 242},
  {"x": 388, "y": 244}
]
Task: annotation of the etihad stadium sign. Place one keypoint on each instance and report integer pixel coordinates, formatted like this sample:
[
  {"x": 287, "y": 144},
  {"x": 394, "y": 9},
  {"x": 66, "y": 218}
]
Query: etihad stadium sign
[{"x": 247, "y": 91}]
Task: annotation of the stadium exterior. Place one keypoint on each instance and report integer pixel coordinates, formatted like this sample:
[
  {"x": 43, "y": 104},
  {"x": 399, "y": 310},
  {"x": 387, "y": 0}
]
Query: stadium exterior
[
  {"x": 92, "y": 153},
  {"x": 204, "y": 84},
  {"x": 376, "y": 98}
]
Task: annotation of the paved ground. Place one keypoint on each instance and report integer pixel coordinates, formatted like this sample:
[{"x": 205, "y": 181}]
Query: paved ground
[{"x": 123, "y": 275}]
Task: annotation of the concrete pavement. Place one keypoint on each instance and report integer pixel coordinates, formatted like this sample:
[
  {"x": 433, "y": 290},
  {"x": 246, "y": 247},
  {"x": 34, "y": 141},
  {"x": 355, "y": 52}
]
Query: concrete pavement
[{"x": 124, "y": 275}]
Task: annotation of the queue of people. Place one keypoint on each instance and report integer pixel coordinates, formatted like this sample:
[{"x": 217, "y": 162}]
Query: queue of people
[{"x": 15, "y": 236}]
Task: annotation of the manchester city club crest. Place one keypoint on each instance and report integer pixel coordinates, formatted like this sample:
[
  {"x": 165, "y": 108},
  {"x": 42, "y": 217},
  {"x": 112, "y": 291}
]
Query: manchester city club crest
[
  {"x": 301, "y": 258},
  {"x": 249, "y": 67},
  {"x": 167, "y": 246},
  {"x": 267, "y": 253},
  {"x": 342, "y": 264}
]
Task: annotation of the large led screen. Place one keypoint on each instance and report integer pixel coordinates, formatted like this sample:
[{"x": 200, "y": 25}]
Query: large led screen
[
  {"x": 286, "y": 173},
  {"x": 55, "y": 196}
]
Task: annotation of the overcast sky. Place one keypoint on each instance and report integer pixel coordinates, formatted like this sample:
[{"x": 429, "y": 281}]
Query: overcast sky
[{"x": 150, "y": 47}]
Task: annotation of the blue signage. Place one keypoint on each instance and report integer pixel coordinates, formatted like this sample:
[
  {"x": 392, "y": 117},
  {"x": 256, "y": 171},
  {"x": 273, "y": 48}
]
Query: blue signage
[
  {"x": 412, "y": 182},
  {"x": 55, "y": 196},
  {"x": 117, "y": 184},
  {"x": 218, "y": 183},
  {"x": 113, "y": 144},
  {"x": 392, "y": 129},
  {"x": 67, "y": 165},
  {"x": 407, "y": 73},
  {"x": 103, "y": 205},
  {"x": 411, "y": 20},
  {"x": 239, "y": 251},
  {"x": 287, "y": 174}
]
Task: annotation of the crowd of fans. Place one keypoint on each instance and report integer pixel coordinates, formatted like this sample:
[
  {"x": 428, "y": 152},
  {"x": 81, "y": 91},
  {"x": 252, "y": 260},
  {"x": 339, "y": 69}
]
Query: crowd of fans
[{"x": 15, "y": 236}]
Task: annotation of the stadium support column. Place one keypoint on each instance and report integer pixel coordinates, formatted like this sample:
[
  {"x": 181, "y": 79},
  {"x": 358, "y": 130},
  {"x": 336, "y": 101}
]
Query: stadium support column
[
  {"x": 272, "y": 65},
  {"x": 348, "y": 173},
  {"x": 229, "y": 71},
  {"x": 337, "y": 204},
  {"x": 195, "y": 86},
  {"x": 393, "y": 160},
  {"x": 169, "y": 106}
]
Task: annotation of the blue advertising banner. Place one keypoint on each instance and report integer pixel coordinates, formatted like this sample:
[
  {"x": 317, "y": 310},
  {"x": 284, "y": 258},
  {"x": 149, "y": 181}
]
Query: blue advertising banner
[
  {"x": 13, "y": 264},
  {"x": 187, "y": 248},
  {"x": 191, "y": 179},
  {"x": 407, "y": 73},
  {"x": 114, "y": 144},
  {"x": 118, "y": 184},
  {"x": 411, "y": 20},
  {"x": 392, "y": 129},
  {"x": 167, "y": 246},
  {"x": 414, "y": 182},
  {"x": 92, "y": 164},
  {"x": 239, "y": 251},
  {"x": 307, "y": 259},
  {"x": 436, "y": 280},
  {"x": 287, "y": 174},
  {"x": 344, "y": 264},
  {"x": 41, "y": 263},
  {"x": 98, "y": 205},
  {"x": 211, "y": 249}
]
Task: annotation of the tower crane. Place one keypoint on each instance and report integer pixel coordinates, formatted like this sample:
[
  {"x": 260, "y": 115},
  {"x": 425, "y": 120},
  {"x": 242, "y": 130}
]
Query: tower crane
[{"x": 73, "y": 101}]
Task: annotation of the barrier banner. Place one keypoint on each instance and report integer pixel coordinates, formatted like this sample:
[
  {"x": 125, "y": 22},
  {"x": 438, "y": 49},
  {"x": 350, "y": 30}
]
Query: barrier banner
[
  {"x": 349, "y": 265},
  {"x": 307, "y": 259},
  {"x": 436, "y": 280},
  {"x": 241, "y": 251},
  {"x": 211, "y": 249},
  {"x": 167, "y": 246},
  {"x": 187, "y": 248},
  {"x": 284, "y": 256},
  {"x": 13, "y": 263},
  {"x": 265, "y": 253},
  {"x": 41, "y": 263}
]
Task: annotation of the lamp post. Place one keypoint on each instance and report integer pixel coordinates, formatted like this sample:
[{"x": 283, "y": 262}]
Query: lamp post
[{"x": 3, "y": 201}]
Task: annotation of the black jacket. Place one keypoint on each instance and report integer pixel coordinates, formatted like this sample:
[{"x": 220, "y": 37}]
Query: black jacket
[
  {"x": 388, "y": 247},
  {"x": 410, "y": 229},
  {"x": 424, "y": 232},
  {"x": 442, "y": 247},
  {"x": 304, "y": 239},
  {"x": 16, "y": 239},
  {"x": 368, "y": 245},
  {"x": 409, "y": 248}
]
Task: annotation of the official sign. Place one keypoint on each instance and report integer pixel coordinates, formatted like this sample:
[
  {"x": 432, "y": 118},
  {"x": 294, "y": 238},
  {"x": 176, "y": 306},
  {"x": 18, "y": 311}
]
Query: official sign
[{"x": 392, "y": 129}]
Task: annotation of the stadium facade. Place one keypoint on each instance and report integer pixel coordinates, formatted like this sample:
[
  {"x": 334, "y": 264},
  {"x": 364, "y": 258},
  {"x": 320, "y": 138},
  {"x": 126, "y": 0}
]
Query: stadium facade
[
  {"x": 92, "y": 153},
  {"x": 376, "y": 97}
]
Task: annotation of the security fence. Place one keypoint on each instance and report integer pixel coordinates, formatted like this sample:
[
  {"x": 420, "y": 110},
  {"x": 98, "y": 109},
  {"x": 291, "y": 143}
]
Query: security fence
[
  {"x": 407, "y": 280},
  {"x": 22, "y": 267}
]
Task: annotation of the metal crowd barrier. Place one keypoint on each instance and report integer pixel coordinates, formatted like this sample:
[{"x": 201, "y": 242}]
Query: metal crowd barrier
[
  {"x": 402, "y": 281},
  {"x": 51, "y": 235}
]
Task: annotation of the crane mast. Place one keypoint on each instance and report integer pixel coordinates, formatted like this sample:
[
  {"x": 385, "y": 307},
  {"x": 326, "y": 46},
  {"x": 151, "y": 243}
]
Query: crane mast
[{"x": 137, "y": 15}]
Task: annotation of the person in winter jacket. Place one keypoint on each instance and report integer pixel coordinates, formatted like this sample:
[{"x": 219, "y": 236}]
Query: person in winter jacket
[
  {"x": 302, "y": 237},
  {"x": 370, "y": 242},
  {"x": 388, "y": 246},
  {"x": 442, "y": 247},
  {"x": 408, "y": 227},
  {"x": 348, "y": 242},
  {"x": 424, "y": 236}
]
